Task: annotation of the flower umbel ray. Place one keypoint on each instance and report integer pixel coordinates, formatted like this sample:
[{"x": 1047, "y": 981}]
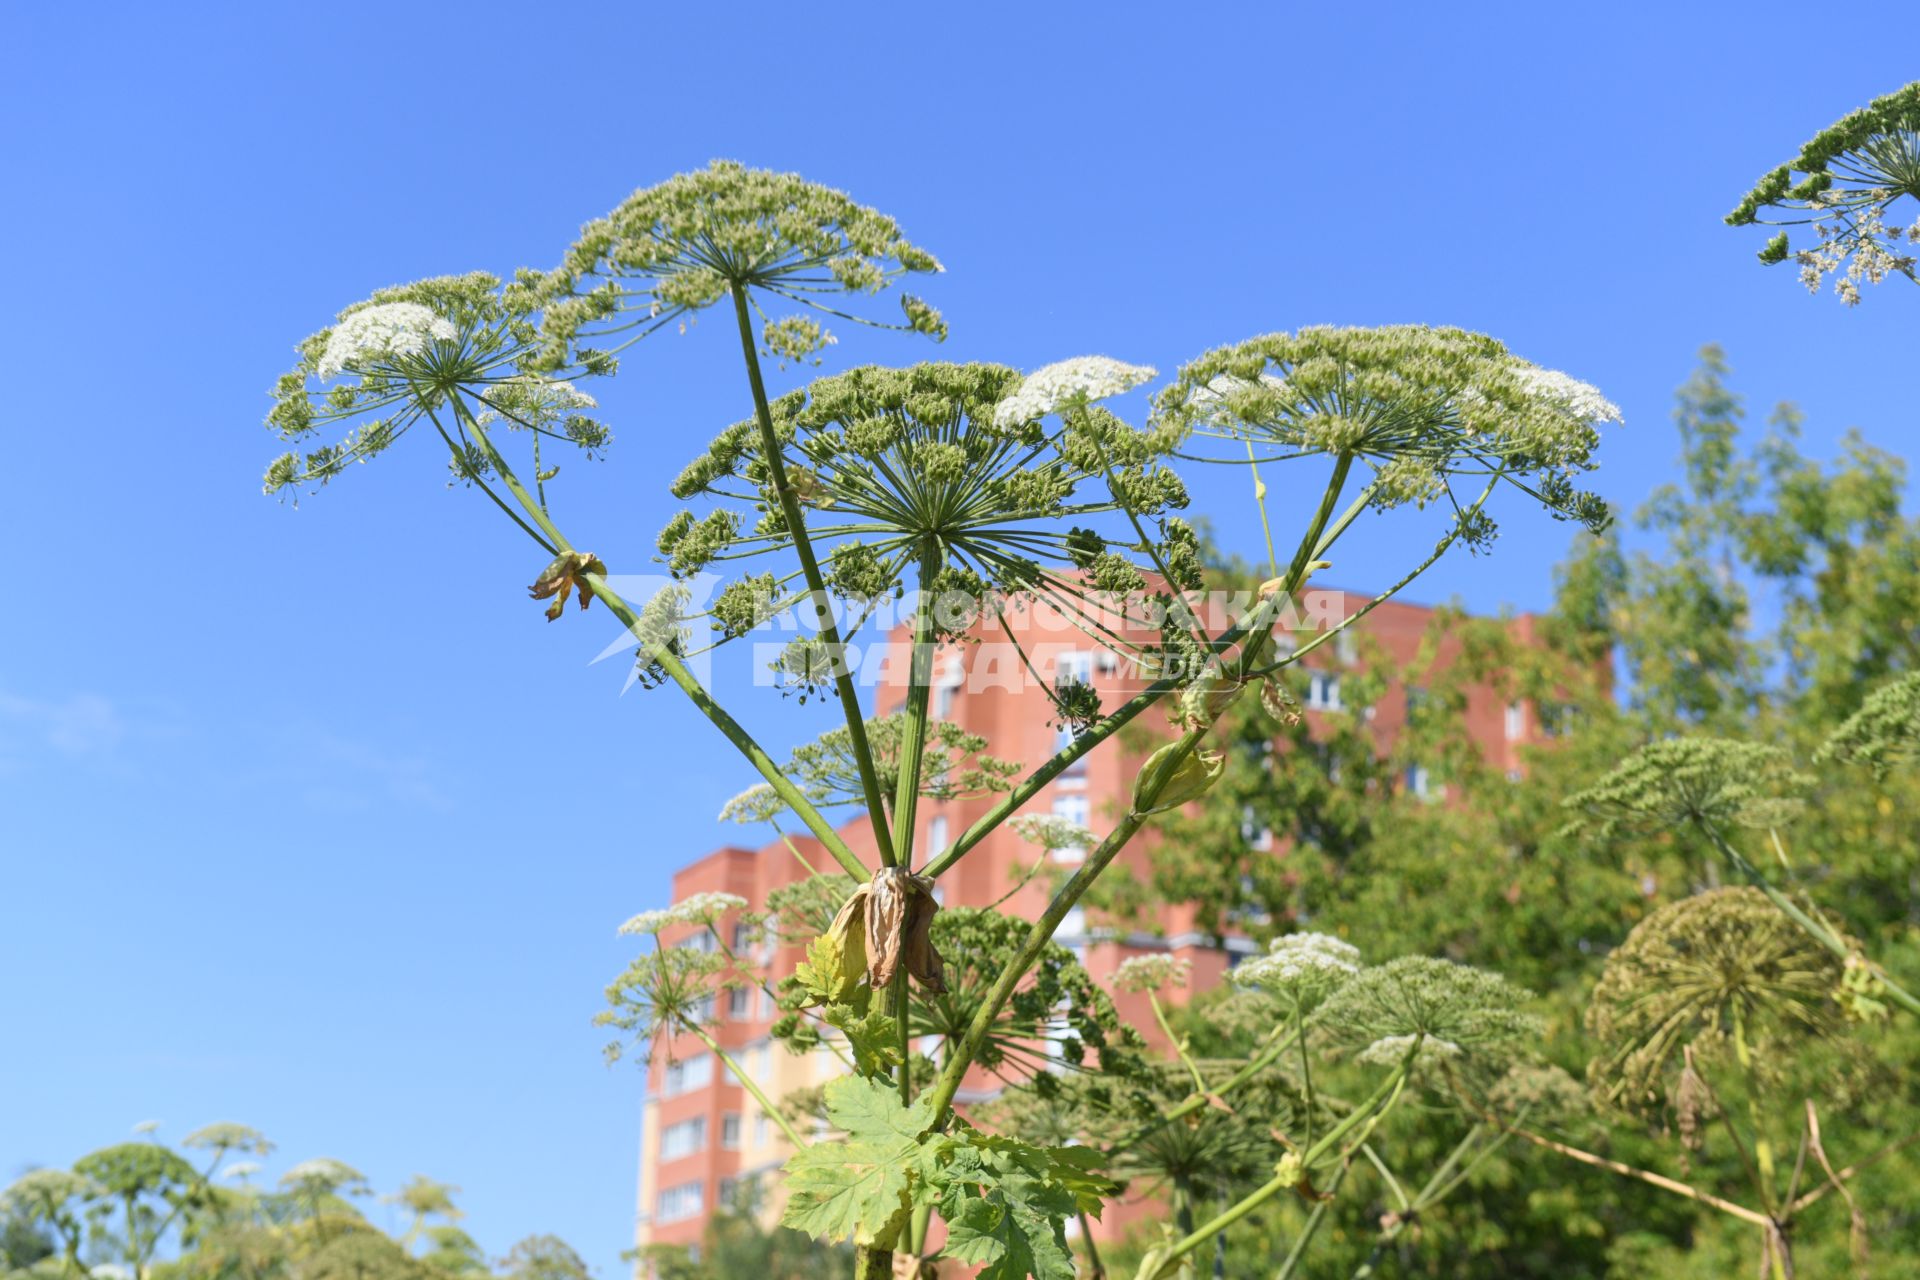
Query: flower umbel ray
[{"x": 902, "y": 470}]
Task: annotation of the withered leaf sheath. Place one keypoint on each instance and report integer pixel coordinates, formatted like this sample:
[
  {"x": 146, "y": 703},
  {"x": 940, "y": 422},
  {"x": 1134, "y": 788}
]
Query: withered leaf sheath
[{"x": 900, "y": 911}]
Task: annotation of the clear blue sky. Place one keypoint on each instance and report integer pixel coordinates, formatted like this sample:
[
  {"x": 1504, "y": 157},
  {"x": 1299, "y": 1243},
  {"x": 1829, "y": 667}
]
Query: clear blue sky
[{"x": 288, "y": 798}]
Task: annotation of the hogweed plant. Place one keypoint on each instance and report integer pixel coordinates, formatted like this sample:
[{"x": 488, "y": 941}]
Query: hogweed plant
[
  {"x": 1856, "y": 180},
  {"x": 962, "y": 494},
  {"x": 1711, "y": 788},
  {"x": 1702, "y": 1019}
]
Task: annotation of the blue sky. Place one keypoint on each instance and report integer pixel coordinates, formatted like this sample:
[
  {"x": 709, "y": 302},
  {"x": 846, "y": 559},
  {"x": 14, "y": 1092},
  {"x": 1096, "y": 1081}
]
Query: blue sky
[{"x": 308, "y": 820}]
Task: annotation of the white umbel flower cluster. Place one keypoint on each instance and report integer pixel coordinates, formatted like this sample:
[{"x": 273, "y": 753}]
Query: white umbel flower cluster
[
  {"x": 1051, "y": 832},
  {"x": 388, "y": 329},
  {"x": 1211, "y": 403},
  {"x": 39, "y": 1187},
  {"x": 1070, "y": 384},
  {"x": 1300, "y": 967},
  {"x": 758, "y": 803},
  {"x": 1150, "y": 973},
  {"x": 1389, "y": 1051},
  {"x": 535, "y": 401},
  {"x": 241, "y": 1170},
  {"x": 1581, "y": 401},
  {"x": 321, "y": 1172},
  {"x": 700, "y": 908}
]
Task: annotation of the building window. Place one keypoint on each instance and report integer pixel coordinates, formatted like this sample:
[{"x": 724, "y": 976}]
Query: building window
[
  {"x": 677, "y": 1204},
  {"x": 753, "y": 1061},
  {"x": 945, "y": 691},
  {"x": 1516, "y": 721},
  {"x": 739, "y": 1004},
  {"x": 1422, "y": 783},
  {"x": 1323, "y": 691},
  {"x": 1073, "y": 807},
  {"x": 742, "y": 937},
  {"x": 701, "y": 1010},
  {"x": 683, "y": 1139},
  {"x": 1346, "y": 647},
  {"x": 1257, "y": 835},
  {"x": 762, "y": 1129},
  {"x": 686, "y": 1074},
  {"x": 937, "y": 835},
  {"x": 1073, "y": 667},
  {"x": 701, "y": 941},
  {"x": 1063, "y": 738},
  {"x": 730, "y": 1131},
  {"x": 1107, "y": 660}
]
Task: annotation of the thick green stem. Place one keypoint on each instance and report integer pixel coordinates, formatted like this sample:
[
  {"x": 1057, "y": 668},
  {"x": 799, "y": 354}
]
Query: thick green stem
[
  {"x": 1306, "y": 1067},
  {"x": 1183, "y": 1213},
  {"x": 910, "y": 766},
  {"x": 133, "y": 1239},
  {"x": 1257, "y": 627},
  {"x": 795, "y": 519},
  {"x": 1318, "y": 539},
  {"x": 677, "y": 670},
  {"x": 913, "y": 730}
]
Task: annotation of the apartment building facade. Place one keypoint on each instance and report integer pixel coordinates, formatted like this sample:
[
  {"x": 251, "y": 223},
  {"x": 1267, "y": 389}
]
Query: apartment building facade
[{"x": 702, "y": 1133}]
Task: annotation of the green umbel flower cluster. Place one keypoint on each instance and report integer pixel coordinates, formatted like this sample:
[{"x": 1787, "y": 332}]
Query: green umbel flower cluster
[
  {"x": 452, "y": 351},
  {"x": 897, "y": 467},
  {"x": 953, "y": 764},
  {"x": 673, "y": 249},
  {"x": 1464, "y": 1011},
  {"x": 1699, "y": 972},
  {"x": 1707, "y": 782},
  {"x": 659, "y": 995},
  {"x": 1855, "y": 171},
  {"x": 1420, "y": 405},
  {"x": 1884, "y": 731}
]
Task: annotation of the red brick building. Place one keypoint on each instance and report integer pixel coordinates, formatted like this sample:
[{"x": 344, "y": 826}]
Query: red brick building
[{"x": 702, "y": 1132}]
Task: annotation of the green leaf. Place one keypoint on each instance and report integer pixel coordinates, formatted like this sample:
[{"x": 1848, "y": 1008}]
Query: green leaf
[
  {"x": 847, "y": 1190},
  {"x": 861, "y": 1188},
  {"x": 874, "y": 1037},
  {"x": 829, "y": 976},
  {"x": 871, "y": 1109},
  {"x": 1073, "y": 1168},
  {"x": 1015, "y": 1228},
  {"x": 1006, "y": 1204}
]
